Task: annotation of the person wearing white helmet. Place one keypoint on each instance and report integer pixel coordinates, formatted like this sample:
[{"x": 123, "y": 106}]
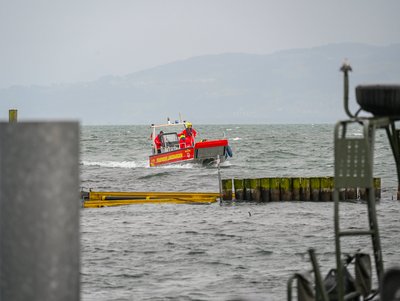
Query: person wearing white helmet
[{"x": 190, "y": 134}]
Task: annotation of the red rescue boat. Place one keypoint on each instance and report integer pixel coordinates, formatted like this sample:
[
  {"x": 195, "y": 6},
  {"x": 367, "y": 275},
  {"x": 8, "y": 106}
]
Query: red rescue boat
[{"x": 170, "y": 148}]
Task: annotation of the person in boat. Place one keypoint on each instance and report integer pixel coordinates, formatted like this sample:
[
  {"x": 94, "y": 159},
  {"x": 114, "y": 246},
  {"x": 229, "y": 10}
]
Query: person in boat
[
  {"x": 182, "y": 141},
  {"x": 190, "y": 133},
  {"x": 158, "y": 142}
]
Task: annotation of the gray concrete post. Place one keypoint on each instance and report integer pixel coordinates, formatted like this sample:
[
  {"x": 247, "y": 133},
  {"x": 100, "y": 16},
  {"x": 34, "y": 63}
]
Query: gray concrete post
[{"x": 39, "y": 211}]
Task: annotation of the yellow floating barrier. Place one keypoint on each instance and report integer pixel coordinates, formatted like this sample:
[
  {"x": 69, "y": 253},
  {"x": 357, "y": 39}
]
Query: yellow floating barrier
[{"x": 97, "y": 199}]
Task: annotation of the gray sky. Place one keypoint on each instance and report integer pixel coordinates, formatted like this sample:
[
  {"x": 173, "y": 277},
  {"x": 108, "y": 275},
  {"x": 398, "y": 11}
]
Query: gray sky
[{"x": 50, "y": 41}]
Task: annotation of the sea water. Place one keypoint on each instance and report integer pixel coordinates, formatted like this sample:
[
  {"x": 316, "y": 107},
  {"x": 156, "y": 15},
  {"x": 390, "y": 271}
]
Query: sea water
[{"x": 242, "y": 251}]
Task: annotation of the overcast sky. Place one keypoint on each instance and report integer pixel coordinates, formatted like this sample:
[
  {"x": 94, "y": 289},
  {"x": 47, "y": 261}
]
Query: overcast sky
[{"x": 53, "y": 41}]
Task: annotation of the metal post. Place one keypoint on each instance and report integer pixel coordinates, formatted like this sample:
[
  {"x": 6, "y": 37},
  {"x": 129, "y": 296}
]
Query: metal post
[
  {"x": 39, "y": 211},
  {"x": 345, "y": 69},
  {"x": 219, "y": 180},
  {"x": 393, "y": 136},
  {"x": 319, "y": 284}
]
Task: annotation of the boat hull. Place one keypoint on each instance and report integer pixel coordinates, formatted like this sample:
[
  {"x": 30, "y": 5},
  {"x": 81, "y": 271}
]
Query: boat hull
[{"x": 203, "y": 152}]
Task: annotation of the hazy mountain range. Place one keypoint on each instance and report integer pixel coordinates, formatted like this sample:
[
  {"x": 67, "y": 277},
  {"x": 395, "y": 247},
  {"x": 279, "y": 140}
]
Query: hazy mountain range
[{"x": 292, "y": 86}]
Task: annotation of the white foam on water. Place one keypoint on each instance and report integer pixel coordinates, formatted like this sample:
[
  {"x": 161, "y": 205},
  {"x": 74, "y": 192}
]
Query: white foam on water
[
  {"x": 175, "y": 166},
  {"x": 115, "y": 164},
  {"x": 236, "y": 139}
]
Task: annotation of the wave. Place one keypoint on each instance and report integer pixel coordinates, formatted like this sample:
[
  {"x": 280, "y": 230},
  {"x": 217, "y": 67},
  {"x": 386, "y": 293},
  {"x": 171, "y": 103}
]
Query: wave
[
  {"x": 160, "y": 174},
  {"x": 115, "y": 164},
  {"x": 236, "y": 139},
  {"x": 187, "y": 165}
]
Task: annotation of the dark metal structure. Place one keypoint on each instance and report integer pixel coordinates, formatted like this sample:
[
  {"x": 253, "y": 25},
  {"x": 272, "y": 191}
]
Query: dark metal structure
[{"x": 354, "y": 168}]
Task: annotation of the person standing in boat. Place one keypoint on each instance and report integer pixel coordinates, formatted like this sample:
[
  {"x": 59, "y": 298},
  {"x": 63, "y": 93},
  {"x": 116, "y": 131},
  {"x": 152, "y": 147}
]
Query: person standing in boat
[
  {"x": 182, "y": 141},
  {"x": 190, "y": 134},
  {"x": 158, "y": 142}
]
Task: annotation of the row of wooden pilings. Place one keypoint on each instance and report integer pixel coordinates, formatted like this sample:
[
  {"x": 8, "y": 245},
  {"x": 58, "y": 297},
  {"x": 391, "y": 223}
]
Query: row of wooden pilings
[{"x": 317, "y": 189}]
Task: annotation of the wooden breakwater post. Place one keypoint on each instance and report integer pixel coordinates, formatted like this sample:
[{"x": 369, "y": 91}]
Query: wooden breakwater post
[
  {"x": 378, "y": 189},
  {"x": 39, "y": 211},
  {"x": 239, "y": 189},
  {"x": 300, "y": 189},
  {"x": 265, "y": 188},
  {"x": 285, "y": 185},
  {"x": 227, "y": 189},
  {"x": 255, "y": 190},
  {"x": 247, "y": 190},
  {"x": 252, "y": 190},
  {"x": 316, "y": 189},
  {"x": 351, "y": 193},
  {"x": 296, "y": 189},
  {"x": 326, "y": 189},
  {"x": 305, "y": 192},
  {"x": 275, "y": 189},
  {"x": 12, "y": 115}
]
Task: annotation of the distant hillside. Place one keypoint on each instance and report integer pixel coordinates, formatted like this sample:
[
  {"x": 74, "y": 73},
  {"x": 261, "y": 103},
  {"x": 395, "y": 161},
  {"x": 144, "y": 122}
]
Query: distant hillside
[{"x": 292, "y": 86}]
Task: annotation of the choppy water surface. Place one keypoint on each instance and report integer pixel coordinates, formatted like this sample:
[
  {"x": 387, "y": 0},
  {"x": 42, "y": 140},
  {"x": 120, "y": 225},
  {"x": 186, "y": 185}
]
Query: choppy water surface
[{"x": 212, "y": 252}]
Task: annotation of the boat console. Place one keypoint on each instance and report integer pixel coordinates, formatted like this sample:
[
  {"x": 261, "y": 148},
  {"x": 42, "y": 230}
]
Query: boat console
[{"x": 169, "y": 141}]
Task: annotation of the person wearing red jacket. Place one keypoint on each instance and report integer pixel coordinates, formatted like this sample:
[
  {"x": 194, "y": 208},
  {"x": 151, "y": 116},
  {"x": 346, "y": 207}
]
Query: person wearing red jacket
[
  {"x": 182, "y": 141},
  {"x": 190, "y": 134},
  {"x": 158, "y": 142}
]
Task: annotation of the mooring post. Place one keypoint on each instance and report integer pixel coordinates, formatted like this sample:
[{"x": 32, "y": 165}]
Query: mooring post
[
  {"x": 12, "y": 115},
  {"x": 39, "y": 211}
]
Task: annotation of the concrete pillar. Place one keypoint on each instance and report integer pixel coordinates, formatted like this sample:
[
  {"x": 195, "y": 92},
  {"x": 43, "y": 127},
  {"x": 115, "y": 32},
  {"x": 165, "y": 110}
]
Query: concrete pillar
[{"x": 39, "y": 211}]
